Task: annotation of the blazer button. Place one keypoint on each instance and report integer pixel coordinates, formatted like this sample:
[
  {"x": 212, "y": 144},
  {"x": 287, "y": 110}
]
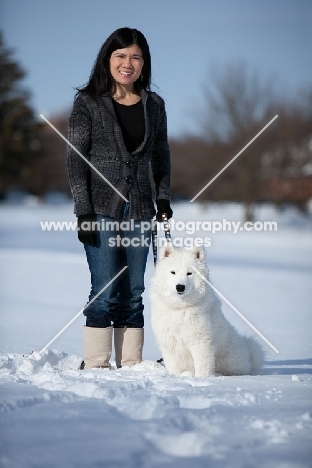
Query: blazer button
[
  {"x": 129, "y": 179},
  {"x": 129, "y": 163}
]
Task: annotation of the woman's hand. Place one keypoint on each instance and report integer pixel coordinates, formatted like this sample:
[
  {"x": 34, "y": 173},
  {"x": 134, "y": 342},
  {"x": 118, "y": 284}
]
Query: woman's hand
[
  {"x": 87, "y": 229},
  {"x": 163, "y": 206}
]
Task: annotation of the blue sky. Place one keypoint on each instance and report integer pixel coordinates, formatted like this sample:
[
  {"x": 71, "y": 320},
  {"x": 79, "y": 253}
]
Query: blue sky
[{"x": 57, "y": 41}]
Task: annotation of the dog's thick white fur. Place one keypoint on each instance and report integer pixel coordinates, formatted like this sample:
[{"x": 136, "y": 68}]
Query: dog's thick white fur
[{"x": 193, "y": 335}]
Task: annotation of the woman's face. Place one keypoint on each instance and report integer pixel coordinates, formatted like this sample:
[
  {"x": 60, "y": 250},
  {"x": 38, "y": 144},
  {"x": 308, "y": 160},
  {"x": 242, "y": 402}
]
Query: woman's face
[{"x": 126, "y": 65}]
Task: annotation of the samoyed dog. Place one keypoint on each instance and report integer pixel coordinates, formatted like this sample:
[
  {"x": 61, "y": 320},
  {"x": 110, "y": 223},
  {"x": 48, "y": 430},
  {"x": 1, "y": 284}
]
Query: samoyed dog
[{"x": 193, "y": 335}]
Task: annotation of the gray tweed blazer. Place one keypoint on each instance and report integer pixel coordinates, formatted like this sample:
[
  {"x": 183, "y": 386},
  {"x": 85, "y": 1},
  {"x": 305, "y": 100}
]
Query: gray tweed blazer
[{"x": 94, "y": 131}]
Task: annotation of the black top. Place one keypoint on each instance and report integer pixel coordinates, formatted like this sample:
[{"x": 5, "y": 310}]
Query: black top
[{"x": 132, "y": 124}]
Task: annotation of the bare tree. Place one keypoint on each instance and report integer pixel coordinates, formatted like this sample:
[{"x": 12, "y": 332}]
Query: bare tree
[
  {"x": 236, "y": 98},
  {"x": 238, "y": 102},
  {"x": 290, "y": 153},
  {"x": 51, "y": 169}
]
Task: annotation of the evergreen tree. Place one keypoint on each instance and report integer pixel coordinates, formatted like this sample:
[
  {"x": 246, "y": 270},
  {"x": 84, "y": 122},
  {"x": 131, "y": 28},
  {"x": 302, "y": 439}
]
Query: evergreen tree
[{"x": 19, "y": 143}]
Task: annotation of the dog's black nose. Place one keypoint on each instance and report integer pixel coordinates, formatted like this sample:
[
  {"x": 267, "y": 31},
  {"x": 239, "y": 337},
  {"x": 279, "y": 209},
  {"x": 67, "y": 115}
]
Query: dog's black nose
[{"x": 180, "y": 288}]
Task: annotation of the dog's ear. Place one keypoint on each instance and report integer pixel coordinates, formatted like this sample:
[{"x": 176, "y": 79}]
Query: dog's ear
[
  {"x": 199, "y": 253},
  {"x": 165, "y": 251}
]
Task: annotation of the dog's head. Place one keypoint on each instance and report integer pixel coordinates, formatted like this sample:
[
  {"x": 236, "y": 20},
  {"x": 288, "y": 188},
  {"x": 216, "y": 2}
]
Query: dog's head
[{"x": 179, "y": 275}]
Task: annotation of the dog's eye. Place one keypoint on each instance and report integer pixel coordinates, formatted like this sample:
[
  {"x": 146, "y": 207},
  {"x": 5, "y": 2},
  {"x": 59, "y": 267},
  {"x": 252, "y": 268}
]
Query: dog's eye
[
  {"x": 189, "y": 273},
  {"x": 172, "y": 272}
]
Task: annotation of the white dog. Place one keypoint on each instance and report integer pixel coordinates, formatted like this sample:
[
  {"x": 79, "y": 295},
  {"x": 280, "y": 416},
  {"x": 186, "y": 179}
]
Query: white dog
[{"x": 193, "y": 335}]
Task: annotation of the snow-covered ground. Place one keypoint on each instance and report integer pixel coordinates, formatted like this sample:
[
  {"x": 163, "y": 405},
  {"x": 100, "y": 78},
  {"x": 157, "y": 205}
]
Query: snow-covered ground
[{"x": 53, "y": 415}]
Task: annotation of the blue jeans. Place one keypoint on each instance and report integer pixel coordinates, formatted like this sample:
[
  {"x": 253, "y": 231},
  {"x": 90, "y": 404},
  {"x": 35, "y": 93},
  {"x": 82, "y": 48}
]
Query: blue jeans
[{"x": 121, "y": 303}]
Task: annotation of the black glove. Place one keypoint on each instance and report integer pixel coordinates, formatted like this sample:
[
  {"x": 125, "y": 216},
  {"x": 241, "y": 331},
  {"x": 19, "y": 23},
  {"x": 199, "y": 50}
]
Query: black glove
[
  {"x": 86, "y": 233},
  {"x": 163, "y": 206}
]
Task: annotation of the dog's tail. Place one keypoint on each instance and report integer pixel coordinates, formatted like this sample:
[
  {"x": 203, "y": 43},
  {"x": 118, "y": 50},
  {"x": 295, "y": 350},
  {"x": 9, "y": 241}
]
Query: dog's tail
[{"x": 256, "y": 355}]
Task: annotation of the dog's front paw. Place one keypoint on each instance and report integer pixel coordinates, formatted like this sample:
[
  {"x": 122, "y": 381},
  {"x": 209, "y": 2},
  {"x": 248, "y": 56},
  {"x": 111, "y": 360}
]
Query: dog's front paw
[
  {"x": 205, "y": 373},
  {"x": 187, "y": 374}
]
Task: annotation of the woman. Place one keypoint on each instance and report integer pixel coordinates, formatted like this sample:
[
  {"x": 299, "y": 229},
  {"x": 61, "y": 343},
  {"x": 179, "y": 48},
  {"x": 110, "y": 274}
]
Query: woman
[{"x": 120, "y": 126}]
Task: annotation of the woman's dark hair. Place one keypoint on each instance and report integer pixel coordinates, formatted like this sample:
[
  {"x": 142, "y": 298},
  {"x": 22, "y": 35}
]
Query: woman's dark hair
[{"x": 101, "y": 80}]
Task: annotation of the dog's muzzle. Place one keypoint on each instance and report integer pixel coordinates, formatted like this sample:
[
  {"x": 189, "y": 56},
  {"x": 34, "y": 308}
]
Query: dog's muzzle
[{"x": 180, "y": 288}]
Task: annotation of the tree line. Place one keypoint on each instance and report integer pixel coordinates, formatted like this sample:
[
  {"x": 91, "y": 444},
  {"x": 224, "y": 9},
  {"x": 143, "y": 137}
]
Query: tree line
[{"x": 237, "y": 103}]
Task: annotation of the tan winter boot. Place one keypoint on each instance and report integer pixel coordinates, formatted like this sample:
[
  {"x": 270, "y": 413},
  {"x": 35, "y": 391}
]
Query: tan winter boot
[
  {"x": 97, "y": 346},
  {"x": 128, "y": 346}
]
